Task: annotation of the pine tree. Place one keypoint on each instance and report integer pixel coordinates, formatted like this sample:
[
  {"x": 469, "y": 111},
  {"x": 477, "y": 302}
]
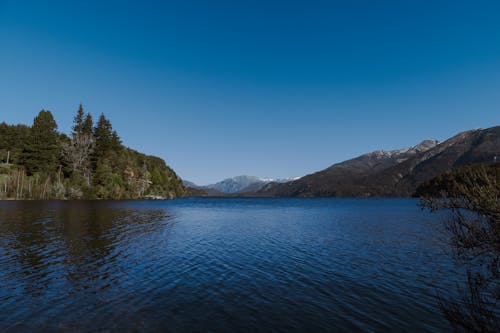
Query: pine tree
[
  {"x": 88, "y": 125},
  {"x": 38, "y": 170},
  {"x": 13, "y": 139},
  {"x": 78, "y": 121},
  {"x": 106, "y": 138},
  {"x": 42, "y": 151}
]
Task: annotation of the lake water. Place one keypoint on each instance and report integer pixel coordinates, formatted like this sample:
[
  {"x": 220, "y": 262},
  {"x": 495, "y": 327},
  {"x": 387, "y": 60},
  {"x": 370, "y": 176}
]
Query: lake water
[{"x": 222, "y": 265}]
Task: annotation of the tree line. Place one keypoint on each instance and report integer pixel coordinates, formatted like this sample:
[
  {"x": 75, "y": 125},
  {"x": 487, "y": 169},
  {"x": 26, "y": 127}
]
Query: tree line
[{"x": 39, "y": 162}]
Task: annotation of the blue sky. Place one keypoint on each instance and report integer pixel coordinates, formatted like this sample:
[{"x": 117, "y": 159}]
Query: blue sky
[{"x": 265, "y": 88}]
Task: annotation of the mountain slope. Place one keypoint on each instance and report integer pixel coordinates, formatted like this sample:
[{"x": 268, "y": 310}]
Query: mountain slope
[
  {"x": 394, "y": 173},
  {"x": 451, "y": 182},
  {"x": 187, "y": 183},
  {"x": 235, "y": 184}
]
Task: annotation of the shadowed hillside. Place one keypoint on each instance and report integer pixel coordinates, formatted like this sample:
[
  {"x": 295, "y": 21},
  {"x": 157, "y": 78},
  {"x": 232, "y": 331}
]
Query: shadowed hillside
[{"x": 394, "y": 173}]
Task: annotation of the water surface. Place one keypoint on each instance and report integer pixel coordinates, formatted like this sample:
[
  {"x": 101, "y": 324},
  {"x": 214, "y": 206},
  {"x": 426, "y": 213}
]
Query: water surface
[{"x": 222, "y": 265}]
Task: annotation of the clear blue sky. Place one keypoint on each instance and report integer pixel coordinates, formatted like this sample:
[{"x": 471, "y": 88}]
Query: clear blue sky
[{"x": 265, "y": 88}]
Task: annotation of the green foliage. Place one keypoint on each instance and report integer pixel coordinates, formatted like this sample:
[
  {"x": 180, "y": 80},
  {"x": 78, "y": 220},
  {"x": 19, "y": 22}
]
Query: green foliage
[
  {"x": 42, "y": 150},
  {"x": 78, "y": 121},
  {"x": 90, "y": 164},
  {"x": 82, "y": 123},
  {"x": 106, "y": 138},
  {"x": 13, "y": 139},
  {"x": 88, "y": 125}
]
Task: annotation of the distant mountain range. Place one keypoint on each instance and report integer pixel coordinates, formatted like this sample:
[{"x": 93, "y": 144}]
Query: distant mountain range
[
  {"x": 395, "y": 173},
  {"x": 234, "y": 185},
  {"x": 383, "y": 173}
]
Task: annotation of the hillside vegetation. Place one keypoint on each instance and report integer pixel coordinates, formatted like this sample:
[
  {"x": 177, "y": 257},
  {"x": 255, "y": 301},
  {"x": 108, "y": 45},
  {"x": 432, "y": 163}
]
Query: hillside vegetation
[
  {"x": 38, "y": 162},
  {"x": 451, "y": 182}
]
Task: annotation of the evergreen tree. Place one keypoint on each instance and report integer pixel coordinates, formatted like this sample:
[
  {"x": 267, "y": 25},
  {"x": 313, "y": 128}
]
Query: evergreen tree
[
  {"x": 105, "y": 137},
  {"x": 13, "y": 139},
  {"x": 78, "y": 121},
  {"x": 115, "y": 172},
  {"x": 42, "y": 150},
  {"x": 88, "y": 125}
]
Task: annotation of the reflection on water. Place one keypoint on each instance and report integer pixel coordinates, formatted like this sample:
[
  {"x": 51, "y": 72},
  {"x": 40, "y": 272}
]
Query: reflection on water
[
  {"x": 61, "y": 249},
  {"x": 220, "y": 265}
]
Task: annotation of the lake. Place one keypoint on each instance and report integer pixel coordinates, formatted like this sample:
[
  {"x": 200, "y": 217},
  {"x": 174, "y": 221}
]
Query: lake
[{"x": 222, "y": 265}]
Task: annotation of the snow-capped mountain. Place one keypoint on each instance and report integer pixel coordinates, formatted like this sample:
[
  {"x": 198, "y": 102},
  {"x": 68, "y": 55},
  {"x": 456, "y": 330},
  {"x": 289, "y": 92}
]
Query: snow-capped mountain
[{"x": 238, "y": 184}]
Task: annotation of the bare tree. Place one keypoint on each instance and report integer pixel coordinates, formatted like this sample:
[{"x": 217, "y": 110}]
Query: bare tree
[{"x": 77, "y": 153}]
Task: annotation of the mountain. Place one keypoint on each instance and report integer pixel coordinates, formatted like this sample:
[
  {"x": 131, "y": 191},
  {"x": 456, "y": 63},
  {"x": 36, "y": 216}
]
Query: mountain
[
  {"x": 396, "y": 172},
  {"x": 234, "y": 185},
  {"x": 187, "y": 183}
]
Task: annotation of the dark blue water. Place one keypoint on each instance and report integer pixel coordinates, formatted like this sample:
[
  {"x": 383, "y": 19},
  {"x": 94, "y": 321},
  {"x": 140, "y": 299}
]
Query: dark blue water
[{"x": 222, "y": 265}]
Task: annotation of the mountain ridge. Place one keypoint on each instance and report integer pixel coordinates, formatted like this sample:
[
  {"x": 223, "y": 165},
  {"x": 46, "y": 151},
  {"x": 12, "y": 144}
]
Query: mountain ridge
[
  {"x": 393, "y": 173},
  {"x": 234, "y": 185}
]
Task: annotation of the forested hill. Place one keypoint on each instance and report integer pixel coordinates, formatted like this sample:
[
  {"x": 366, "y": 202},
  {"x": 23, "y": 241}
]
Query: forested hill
[{"x": 38, "y": 162}]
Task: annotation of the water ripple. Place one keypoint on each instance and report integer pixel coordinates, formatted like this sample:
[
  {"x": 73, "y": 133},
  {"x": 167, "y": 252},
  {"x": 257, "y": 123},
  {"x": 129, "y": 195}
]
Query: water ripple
[{"x": 221, "y": 265}]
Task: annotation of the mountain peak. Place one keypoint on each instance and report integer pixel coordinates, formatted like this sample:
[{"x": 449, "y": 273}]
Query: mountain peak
[
  {"x": 426, "y": 145},
  {"x": 238, "y": 184},
  {"x": 395, "y": 172}
]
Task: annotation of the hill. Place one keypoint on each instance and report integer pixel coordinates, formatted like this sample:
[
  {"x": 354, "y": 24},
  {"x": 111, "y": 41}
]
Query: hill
[{"x": 38, "y": 162}]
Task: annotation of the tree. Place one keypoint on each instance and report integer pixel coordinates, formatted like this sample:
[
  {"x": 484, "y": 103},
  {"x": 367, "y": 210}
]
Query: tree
[
  {"x": 82, "y": 123},
  {"x": 42, "y": 151},
  {"x": 472, "y": 197},
  {"x": 78, "y": 150},
  {"x": 13, "y": 139},
  {"x": 89, "y": 163},
  {"x": 106, "y": 138},
  {"x": 88, "y": 125},
  {"x": 78, "y": 121}
]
